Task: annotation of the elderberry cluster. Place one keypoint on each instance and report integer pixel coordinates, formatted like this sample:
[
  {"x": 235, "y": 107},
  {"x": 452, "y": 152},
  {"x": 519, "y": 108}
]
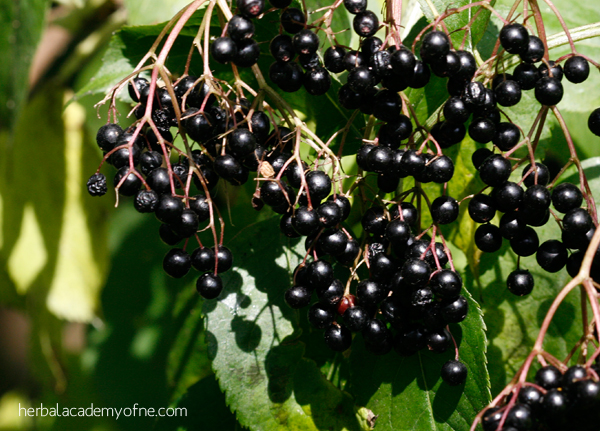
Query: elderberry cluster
[{"x": 556, "y": 400}]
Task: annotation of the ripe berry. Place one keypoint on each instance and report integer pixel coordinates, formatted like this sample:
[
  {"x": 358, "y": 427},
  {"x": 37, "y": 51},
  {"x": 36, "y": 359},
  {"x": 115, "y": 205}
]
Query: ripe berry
[
  {"x": 317, "y": 81},
  {"x": 282, "y": 48},
  {"x": 130, "y": 185},
  {"x": 350, "y": 253},
  {"x": 482, "y": 130},
  {"x": 209, "y": 286},
  {"x": 479, "y": 156},
  {"x": 420, "y": 76},
  {"x": 333, "y": 58},
  {"x": 527, "y": 75},
  {"x": 566, "y": 196},
  {"x": 403, "y": 62},
  {"x": 320, "y": 316},
  {"x": 108, "y": 135},
  {"x": 355, "y": 6},
  {"x": 514, "y": 38},
  {"x": 456, "y": 110},
  {"x": 537, "y": 197},
  {"x": 446, "y": 284},
  {"x": 535, "y": 50},
  {"x": 454, "y": 372},
  {"x": 200, "y": 126},
  {"x": 224, "y": 258},
  {"x": 96, "y": 185},
  {"x": 356, "y": 318},
  {"x": 361, "y": 79},
  {"x": 293, "y": 20},
  {"x": 444, "y": 210},
  {"x": 169, "y": 209},
  {"x": 248, "y": 53},
  {"x": 455, "y": 311},
  {"x": 149, "y": 161},
  {"x": 482, "y": 208},
  {"x": 508, "y": 93},
  {"x": 507, "y": 136},
  {"x": 488, "y": 238},
  {"x": 240, "y": 28},
  {"x": 495, "y": 170},
  {"x": 305, "y": 42},
  {"x": 552, "y": 255},
  {"x": 349, "y": 98},
  {"x": 468, "y": 66},
  {"x": 370, "y": 292},
  {"x": 519, "y": 417},
  {"x": 549, "y": 91},
  {"x": 531, "y": 396},
  {"x": 177, "y": 263},
  {"x": 577, "y": 221},
  {"x": 319, "y": 185},
  {"x": 135, "y": 87},
  {"x": 541, "y": 172},
  {"x": 333, "y": 242},
  {"x": 387, "y": 105},
  {"x": 343, "y": 203},
  {"x": 251, "y": 8},
  {"x": 525, "y": 244},
  {"x": 365, "y": 23},
  {"x": 337, "y": 337},
  {"x": 577, "y": 69},
  {"x": 305, "y": 221},
  {"x": 287, "y": 76},
  {"x": 416, "y": 272},
  {"x": 319, "y": 274},
  {"x": 508, "y": 196},
  {"x": 435, "y": 45},
  {"x": 297, "y": 297},
  {"x": 223, "y": 50},
  {"x": 520, "y": 282},
  {"x": 555, "y": 406}
]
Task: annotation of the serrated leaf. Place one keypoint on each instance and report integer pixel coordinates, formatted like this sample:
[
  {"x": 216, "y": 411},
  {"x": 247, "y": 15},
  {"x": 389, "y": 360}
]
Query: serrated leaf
[
  {"x": 21, "y": 24},
  {"x": 252, "y": 340},
  {"x": 407, "y": 393}
]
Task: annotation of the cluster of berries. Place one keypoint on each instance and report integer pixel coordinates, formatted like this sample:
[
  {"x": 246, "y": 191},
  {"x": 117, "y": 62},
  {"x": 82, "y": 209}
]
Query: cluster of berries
[{"x": 553, "y": 402}]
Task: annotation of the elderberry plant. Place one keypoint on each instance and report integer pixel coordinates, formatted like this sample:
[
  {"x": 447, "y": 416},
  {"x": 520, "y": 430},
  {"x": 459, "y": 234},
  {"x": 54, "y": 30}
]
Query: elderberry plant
[{"x": 377, "y": 210}]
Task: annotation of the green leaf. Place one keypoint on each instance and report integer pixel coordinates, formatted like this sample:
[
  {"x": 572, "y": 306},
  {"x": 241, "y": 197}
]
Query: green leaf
[
  {"x": 252, "y": 341},
  {"x": 144, "y": 12},
  {"x": 408, "y": 392},
  {"x": 21, "y": 24}
]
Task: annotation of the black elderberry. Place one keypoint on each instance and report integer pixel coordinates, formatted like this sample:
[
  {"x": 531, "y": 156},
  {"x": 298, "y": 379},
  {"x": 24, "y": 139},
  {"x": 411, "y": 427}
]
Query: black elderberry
[
  {"x": 224, "y": 50},
  {"x": 319, "y": 185},
  {"x": 96, "y": 185},
  {"x": 549, "y": 377},
  {"x": 577, "y": 241},
  {"x": 566, "y": 196},
  {"x": 375, "y": 331},
  {"x": 333, "y": 59},
  {"x": 224, "y": 258},
  {"x": 382, "y": 267},
  {"x": 200, "y": 206},
  {"x": 120, "y": 158},
  {"x": 273, "y": 193},
  {"x": 468, "y": 66},
  {"x": 248, "y": 53},
  {"x": 541, "y": 172},
  {"x": 409, "y": 213},
  {"x": 203, "y": 259},
  {"x": 508, "y": 196},
  {"x": 535, "y": 50},
  {"x": 532, "y": 397},
  {"x": 251, "y": 8},
  {"x": 488, "y": 238},
  {"x": 556, "y": 70},
  {"x": 416, "y": 272},
  {"x": 380, "y": 62},
  {"x": 577, "y": 221},
  {"x": 343, "y": 203},
  {"x": 349, "y": 98},
  {"x": 444, "y": 210},
  {"x": 286, "y": 227},
  {"x": 454, "y": 372},
  {"x": 128, "y": 183},
  {"x": 577, "y": 69},
  {"x": 177, "y": 263},
  {"x": 507, "y": 93},
  {"x": 209, "y": 286},
  {"x": 495, "y": 170},
  {"x": 388, "y": 105},
  {"x": 434, "y": 46},
  {"x": 475, "y": 94},
  {"x": 420, "y": 76},
  {"x": 320, "y": 316},
  {"x": 356, "y": 318},
  {"x": 333, "y": 242},
  {"x": 552, "y": 255},
  {"x": 329, "y": 214},
  {"x": 555, "y": 406},
  {"x": 145, "y": 201},
  {"x": 355, "y": 6},
  {"x": 441, "y": 169},
  {"x": 534, "y": 217},
  {"x": 282, "y": 48},
  {"x": 403, "y": 62},
  {"x": 572, "y": 376},
  {"x": 360, "y": 79},
  {"x": 491, "y": 419},
  {"x": 411, "y": 340},
  {"x": 439, "y": 340},
  {"x": 446, "y": 284},
  {"x": 287, "y": 76},
  {"x": 520, "y": 282},
  {"x": 167, "y": 235},
  {"x": 337, "y": 337},
  {"x": 479, "y": 156},
  {"x": 365, "y": 23},
  {"x": 135, "y": 87},
  {"x": 297, "y": 297},
  {"x": 305, "y": 221},
  {"x": 169, "y": 209},
  {"x": 537, "y": 197},
  {"x": 548, "y": 91},
  {"x": 317, "y": 81},
  {"x": 149, "y": 161},
  {"x": 447, "y": 66},
  {"x": 482, "y": 208},
  {"x": 350, "y": 253},
  {"x": 514, "y": 38},
  {"x": 526, "y": 75},
  {"x": 319, "y": 274},
  {"x": 520, "y": 417},
  {"x": 374, "y": 221},
  {"x": 370, "y": 292},
  {"x": 240, "y": 28},
  {"x": 455, "y": 311},
  {"x": 525, "y": 244},
  {"x": 398, "y": 232},
  {"x": 456, "y": 110},
  {"x": 200, "y": 126},
  {"x": 108, "y": 136},
  {"x": 482, "y": 130},
  {"x": 293, "y": 20}
]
